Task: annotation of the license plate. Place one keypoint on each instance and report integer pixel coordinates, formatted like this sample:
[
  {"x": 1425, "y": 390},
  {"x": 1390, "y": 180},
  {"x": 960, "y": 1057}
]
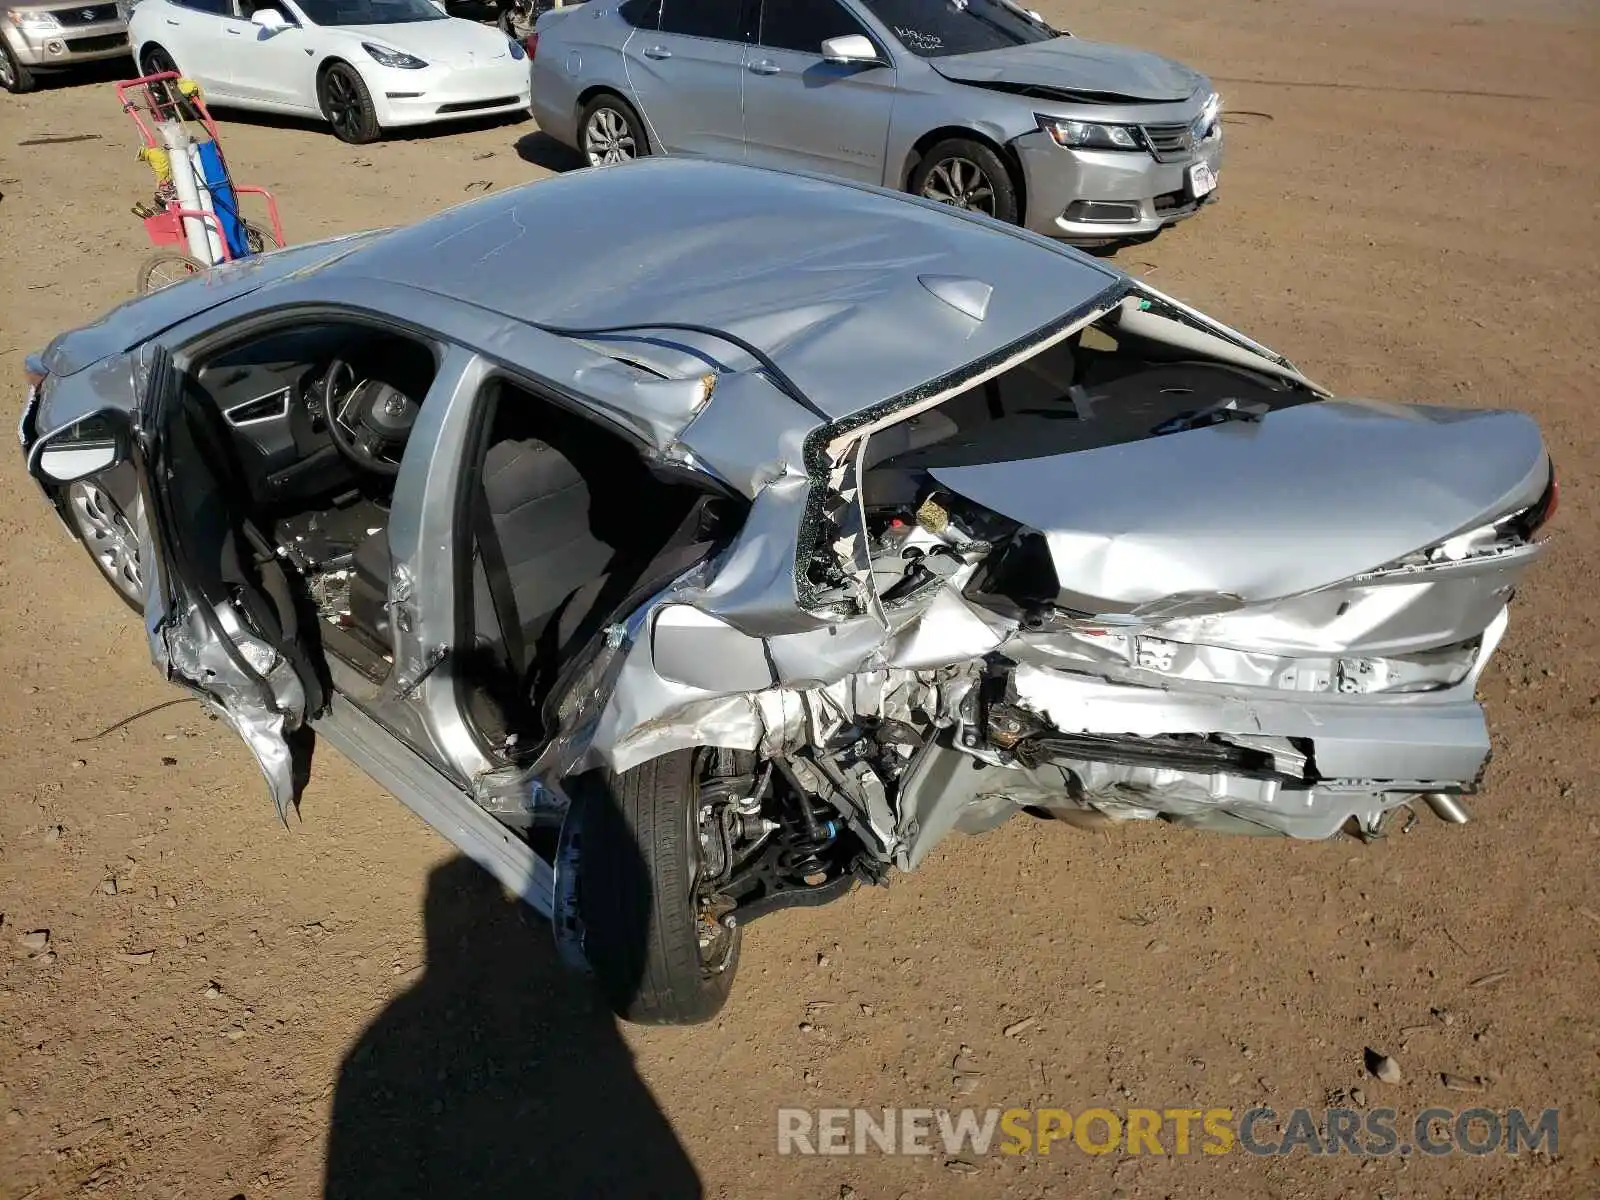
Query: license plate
[{"x": 1202, "y": 180}]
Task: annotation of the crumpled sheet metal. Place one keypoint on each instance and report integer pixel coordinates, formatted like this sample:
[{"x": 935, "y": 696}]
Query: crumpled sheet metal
[
  {"x": 753, "y": 586},
  {"x": 750, "y": 435},
  {"x": 1438, "y": 735},
  {"x": 949, "y": 792},
  {"x": 1129, "y": 531},
  {"x": 188, "y": 649},
  {"x": 630, "y": 713}
]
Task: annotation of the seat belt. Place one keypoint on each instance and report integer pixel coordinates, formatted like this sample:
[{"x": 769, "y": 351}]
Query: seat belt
[{"x": 501, "y": 596}]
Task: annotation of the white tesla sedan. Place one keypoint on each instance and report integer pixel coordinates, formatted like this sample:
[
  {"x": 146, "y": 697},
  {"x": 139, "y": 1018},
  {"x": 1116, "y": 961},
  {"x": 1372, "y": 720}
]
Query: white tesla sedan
[{"x": 363, "y": 66}]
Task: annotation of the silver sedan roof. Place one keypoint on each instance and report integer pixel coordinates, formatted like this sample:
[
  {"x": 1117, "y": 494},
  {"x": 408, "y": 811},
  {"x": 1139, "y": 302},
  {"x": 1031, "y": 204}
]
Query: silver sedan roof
[{"x": 858, "y": 295}]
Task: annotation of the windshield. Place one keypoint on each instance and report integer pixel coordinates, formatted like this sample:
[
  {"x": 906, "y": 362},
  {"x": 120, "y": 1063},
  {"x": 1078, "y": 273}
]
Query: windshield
[
  {"x": 369, "y": 12},
  {"x": 935, "y": 28}
]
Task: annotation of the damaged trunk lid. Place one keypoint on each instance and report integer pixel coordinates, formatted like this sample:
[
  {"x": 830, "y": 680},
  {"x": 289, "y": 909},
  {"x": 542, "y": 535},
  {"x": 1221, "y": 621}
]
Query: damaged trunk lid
[{"x": 1244, "y": 512}]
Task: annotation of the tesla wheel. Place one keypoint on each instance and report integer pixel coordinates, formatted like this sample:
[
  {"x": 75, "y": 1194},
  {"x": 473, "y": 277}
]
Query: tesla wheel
[
  {"x": 166, "y": 267},
  {"x": 347, "y": 105},
  {"x": 968, "y": 175},
  {"x": 14, "y": 77},
  {"x": 610, "y": 132},
  {"x": 662, "y": 951},
  {"x": 156, "y": 61},
  {"x": 109, "y": 537}
]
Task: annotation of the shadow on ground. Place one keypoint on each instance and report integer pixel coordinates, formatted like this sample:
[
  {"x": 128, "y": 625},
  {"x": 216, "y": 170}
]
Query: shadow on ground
[
  {"x": 499, "y": 1075},
  {"x": 542, "y": 150}
]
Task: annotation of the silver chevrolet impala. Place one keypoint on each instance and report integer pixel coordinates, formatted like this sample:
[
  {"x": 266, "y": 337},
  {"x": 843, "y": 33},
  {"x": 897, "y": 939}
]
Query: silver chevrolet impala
[
  {"x": 693, "y": 540},
  {"x": 975, "y": 103}
]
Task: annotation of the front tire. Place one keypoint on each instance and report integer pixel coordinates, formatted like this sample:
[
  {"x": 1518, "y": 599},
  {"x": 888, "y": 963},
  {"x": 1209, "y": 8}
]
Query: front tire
[
  {"x": 968, "y": 175},
  {"x": 158, "y": 62},
  {"x": 14, "y": 77},
  {"x": 610, "y": 132},
  {"x": 652, "y": 939},
  {"x": 347, "y": 105}
]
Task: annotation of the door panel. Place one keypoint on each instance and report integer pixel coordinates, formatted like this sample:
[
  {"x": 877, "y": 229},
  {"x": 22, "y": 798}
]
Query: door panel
[
  {"x": 192, "y": 34},
  {"x": 219, "y": 613},
  {"x": 271, "y": 67},
  {"x": 687, "y": 77},
  {"x": 802, "y": 112}
]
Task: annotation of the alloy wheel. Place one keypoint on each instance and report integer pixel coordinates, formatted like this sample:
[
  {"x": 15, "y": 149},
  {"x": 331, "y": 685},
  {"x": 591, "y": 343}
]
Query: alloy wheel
[
  {"x": 109, "y": 537},
  {"x": 343, "y": 107},
  {"x": 608, "y": 138},
  {"x": 8, "y": 77},
  {"x": 960, "y": 183}
]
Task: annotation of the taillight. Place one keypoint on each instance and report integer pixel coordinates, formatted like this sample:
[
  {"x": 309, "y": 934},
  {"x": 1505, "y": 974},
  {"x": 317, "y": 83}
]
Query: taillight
[
  {"x": 33, "y": 371},
  {"x": 1554, "y": 501},
  {"x": 1528, "y": 523},
  {"x": 531, "y": 44}
]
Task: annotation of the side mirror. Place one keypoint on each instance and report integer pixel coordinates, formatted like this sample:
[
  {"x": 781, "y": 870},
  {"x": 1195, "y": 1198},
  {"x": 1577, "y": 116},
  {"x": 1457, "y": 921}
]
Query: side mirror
[
  {"x": 852, "y": 48},
  {"x": 269, "y": 19},
  {"x": 89, "y": 446}
]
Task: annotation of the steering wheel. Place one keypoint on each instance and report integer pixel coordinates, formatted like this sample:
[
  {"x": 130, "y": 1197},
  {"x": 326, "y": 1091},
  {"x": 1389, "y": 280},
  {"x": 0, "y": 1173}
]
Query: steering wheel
[{"x": 368, "y": 420}]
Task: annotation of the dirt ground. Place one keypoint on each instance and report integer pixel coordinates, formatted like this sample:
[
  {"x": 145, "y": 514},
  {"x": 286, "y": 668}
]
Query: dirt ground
[{"x": 1410, "y": 209}]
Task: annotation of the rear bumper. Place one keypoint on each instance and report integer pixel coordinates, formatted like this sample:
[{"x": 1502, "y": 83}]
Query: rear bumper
[
  {"x": 1140, "y": 195},
  {"x": 555, "y": 101},
  {"x": 1386, "y": 743},
  {"x": 68, "y": 47},
  {"x": 423, "y": 97},
  {"x": 1337, "y": 757}
]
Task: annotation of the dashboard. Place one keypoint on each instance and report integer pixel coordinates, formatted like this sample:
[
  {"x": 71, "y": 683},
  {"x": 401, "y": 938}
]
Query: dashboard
[{"x": 270, "y": 393}]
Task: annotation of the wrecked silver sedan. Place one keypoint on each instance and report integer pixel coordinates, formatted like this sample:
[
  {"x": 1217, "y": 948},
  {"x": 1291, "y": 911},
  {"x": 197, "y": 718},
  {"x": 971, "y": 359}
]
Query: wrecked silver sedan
[{"x": 684, "y": 568}]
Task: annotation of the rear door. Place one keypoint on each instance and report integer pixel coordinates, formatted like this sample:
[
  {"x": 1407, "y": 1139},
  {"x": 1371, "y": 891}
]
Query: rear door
[
  {"x": 219, "y": 612},
  {"x": 192, "y": 31},
  {"x": 802, "y": 112},
  {"x": 686, "y": 69}
]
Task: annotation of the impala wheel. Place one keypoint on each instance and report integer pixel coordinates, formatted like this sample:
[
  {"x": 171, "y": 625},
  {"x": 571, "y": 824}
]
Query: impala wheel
[
  {"x": 967, "y": 175},
  {"x": 610, "y": 132}
]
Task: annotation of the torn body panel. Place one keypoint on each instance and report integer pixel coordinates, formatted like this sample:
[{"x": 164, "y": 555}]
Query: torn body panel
[
  {"x": 1233, "y": 509},
  {"x": 204, "y": 607},
  {"x": 186, "y": 648},
  {"x": 1182, "y": 587},
  {"x": 241, "y": 678}
]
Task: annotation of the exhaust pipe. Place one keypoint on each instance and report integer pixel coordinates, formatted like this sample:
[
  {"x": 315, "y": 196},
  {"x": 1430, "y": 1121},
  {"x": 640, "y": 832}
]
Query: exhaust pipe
[{"x": 1447, "y": 808}]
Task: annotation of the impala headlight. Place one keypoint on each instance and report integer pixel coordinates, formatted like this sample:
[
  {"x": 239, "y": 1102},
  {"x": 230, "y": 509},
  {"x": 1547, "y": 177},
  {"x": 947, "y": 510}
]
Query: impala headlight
[
  {"x": 34, "y": 22},
  {"x": 386, "y": 57},
  {"x": 1087, "y": 135}
]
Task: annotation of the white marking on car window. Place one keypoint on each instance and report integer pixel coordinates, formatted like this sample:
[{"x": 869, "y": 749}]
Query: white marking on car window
[{"x": 915, "y": 39}]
